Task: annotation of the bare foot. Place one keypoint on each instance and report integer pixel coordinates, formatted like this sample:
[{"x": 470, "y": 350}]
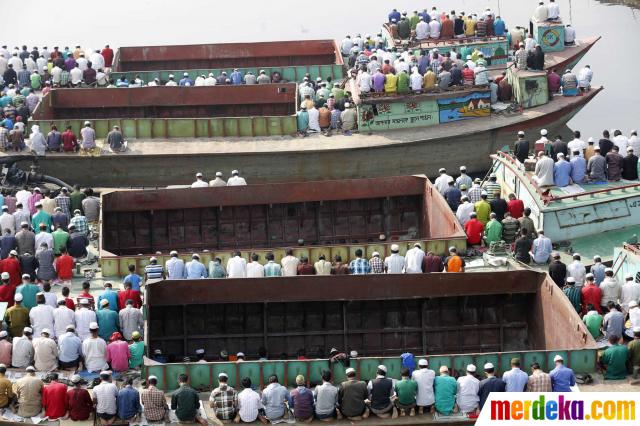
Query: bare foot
[{"x": 412, "y": 412}]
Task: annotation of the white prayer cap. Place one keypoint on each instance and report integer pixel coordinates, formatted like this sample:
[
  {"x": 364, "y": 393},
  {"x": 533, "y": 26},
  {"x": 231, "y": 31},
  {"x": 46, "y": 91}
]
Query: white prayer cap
[
  {"x": 463, "y": 168},
  {"x": 353, "y": 354},
  {"x": 86, "y": 123},
  {"x": 395, "y": 247},
  {"x": 471, "y": 368},
  {"x": 349, "y": 371},
  {"x": 15, "y": 253},
  {"x": 240, "y": 355},
  {"x": 198, "y": 174},
  {"x": 484, "y": 193},
  {"x": 488, "y": 366},
  {"x": 93, "y": 326},
  {"x": 442, "y": 170},
  {"x": 27, "y": 330},
  {"x": 153, "y": 259},
  {"x": 589, "y": 275},
  {"x": 170, "y": 75},
  {"x": 218, "y": 174},
  {"x": 173, "y": 253},
  {"x": 468, "y": 56},
  {"x": 590, "y": 140},
  {"x": 5, "y": 276},
  {"x": 608, "y": 270},
  {"x": 560, "y": 155},
  {"x": 423, "y": 362},
  {"x": 444, "y": 369},
  {"x": 558, "y": 358},
  {"x": 543, "y": 132},
  {"x": 235, "y": 172},
  {"x": 210, "y": 74},
  {"x": 195, "y": 256},
  {"x": 77, "y": 379},
  {"x": 223, "y": 375},
  {"x": 374, "y": 254},
  {"x": 105, "y": 373},
  {"x": 23, "y": 223},
  {"x": 636, "y": 329},
  {"x": 571, "y": 280},
  {"x": 186, "y": 74},
  {"x": 3, "y": 333},
  {"x": 18, "y": 297},
  {"x": 70, "y": 327},
  {"x": 148, "y": 378},
  {"x": 31, "y": 368},
  {"x": 382, "y": 368},
  {"x": 45, "y": 331},
  {"x": 521, "y": 133}
]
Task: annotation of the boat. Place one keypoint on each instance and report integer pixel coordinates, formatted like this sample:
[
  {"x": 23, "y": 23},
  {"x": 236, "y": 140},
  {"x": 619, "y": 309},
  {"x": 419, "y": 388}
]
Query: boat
[
  {"x": 589, "y": 218},
  {"x": 313, "y": 218},
  {"x": 451, "y": 319}
]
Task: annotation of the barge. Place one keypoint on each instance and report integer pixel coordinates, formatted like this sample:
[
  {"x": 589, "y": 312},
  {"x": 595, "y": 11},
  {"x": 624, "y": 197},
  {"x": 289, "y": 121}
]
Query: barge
[
  {"x": 573, "y": 216},
  {"x": 452, "y": 319},
  {"x": 314, "y": 218},
  {"x": 292, "y": 60}
]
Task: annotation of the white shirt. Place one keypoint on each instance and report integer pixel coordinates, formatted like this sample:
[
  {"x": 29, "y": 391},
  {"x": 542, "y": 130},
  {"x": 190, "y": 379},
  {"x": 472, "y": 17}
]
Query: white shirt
[
  {"x": 75, "y": 75},
  {"x": 530, "y": 43},
  {"x": 95, "y": 354},
  {"x": 210, "y": 81},
  {"x": 22, "y": 197},
  {"x": 416, "y": 80},
  {"x": 16, "y": 62},
  {"x": 51, "y": 299},
  {"x": 248, "y": 405},
  {"x": 62, "y": 317},
  {"x": 314, "y": 119},
  {"x": 467, "y": 398},
  {"x": 106, "y": 394},
  {"x": 471, "y": 64},
  {"x": 611, "y": 290},
  {"x": 442, "y": 182},
  {"x": 31, "y": 64},
  {"x": 41, "y": 317},
  {"x": 422, "y": 30},
  {"x": 365, "y": 84},
  {"x": 401, "y": 66},
  {"x": 577, "y": 145},
  {"x": 56, "y": 72},
  {"x": 22, "y": 352},
  {"x": 622, "y": 142},
  {"x": 199, "y": 184},
  {"x": 434, "y": 28},
  {"x": 634, "y": 142},
  {"x": 424, "y": 377},
  {"x": 413, "y": 261},
  {"x": 236, "y": 181},
  {"x": 584, "y": 78},
  {"x": 541, "y": 13},
  {"x": 97, "y": 61},
  {"x": 41, "y": 64},
  {"x": 463, "y": 212},
  {"x": 577, "y": 270},
  {"x": 544, "y": 171},
  {"x": 289, "y": 266},
  {"x": 553, "y": 11},
  {"x": 45, "y": 354},
  {"x": 7, "y": 222},
  {"x": 84, "y": 317},
  {"x": 171, "y": 83},
  {"x": 394, "y": 263},
  {"x": 630, "y": 291},
  {"x": 44, "y": 237},
  {"x": 3, "y": 64},
  {"x": 634, "y": 317},
  {"x": 199, "y": 81},
  {"x": 346, "y": 46},
  {"x": 237, "y": 267},
  {"x": 255, "y": 270},
  {"x": 82, "y": 63}
]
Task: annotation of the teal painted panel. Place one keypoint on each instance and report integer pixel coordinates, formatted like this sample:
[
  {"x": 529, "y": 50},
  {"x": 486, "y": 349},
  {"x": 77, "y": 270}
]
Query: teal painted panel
[
  {"x": 272, "y": 367},
  {"x": 368, "y": 368},
  {"x": 202, "y": 128},
  {"x": 338, "y": 371},
  {"x": 552, "y": 354},
  {"x": 129, "y": 127},
  {"x": 251, "y": 370},
  {"x": 200, "y": 376},
  {"x": 102, "y": 128},
  {"x": 460, "y": 363},
  {"x": 231, "y": 127},
  {"x": 217, "y": 127},
  {"x": 144, "y": 128},
  {"x": 245, "y": 127},
  {"x": 505, "y": 360},
  {"x": 173, "y": 371},
  {"x": 295, "y": 368},
  {"x": 158, "y": 128},
  {"x": 398, "y": 115},
  {"x": 315, "y": 371},
  {"x": 158, "y": 371},
  {"x": 549, "y": 36},
  {"x": 260, "y": 126},
  {"x": 582, "y": 361},
  {"x": 482, "y": 359},
  {"x": 229, "y": 368},
  {"x": 394, "y": 365},
  {"x": 288, "y": 125},
  {"x": 531, "y": 357},
  {"x": 180, "y": 128},
  {"x": 435, "y": 362}
]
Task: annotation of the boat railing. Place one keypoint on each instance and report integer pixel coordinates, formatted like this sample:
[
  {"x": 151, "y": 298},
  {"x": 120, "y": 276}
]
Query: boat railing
[{"x": 545, "y": 194}]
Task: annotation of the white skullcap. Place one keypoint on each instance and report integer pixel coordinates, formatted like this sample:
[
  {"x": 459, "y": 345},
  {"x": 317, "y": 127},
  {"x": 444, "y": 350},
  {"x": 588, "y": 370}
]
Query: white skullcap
[
  {"x": 636, "y": 329},
  {"x": 382, "y": 368},
  {"x": 15, "y": 253},
  {"x": 423, "y": 362},
  {"x": 153, "y": 258},
  {"x": 353, "y": 354},
  {"x": 374, "y": 254},
  {"x": 463, "y": 168},
  {"x": 223, "y": 375},
  {"x": 3, "y": 333},
  {"x": 173, "y": 253},
  {"x": 18, "y": 297},
  {"x": 218, "y": 174},
  {"x": 395, "y": 247},
  {"x": 347, "y": 105},
  {"x": 240, "y": 354},
  {"x": 543, "y": 132},
  {"x": 93, "y": 326},
  {"x": 488, "y": 366},
  {"x": 198, "y": 174},
  {"x": 521, "y": 133},
  {"x": 571, "y": 280},
  {"x": 149, "y": 378},
  {"x": 589, "y": 275},
  {"x": 349, "y": 371},
  {"x": 235, "y": 172},
  {"x": 471, "y": 368},
  {"x": 5, "y": 276},
  {"x": 45, "y": 331},
  {"x": 608, "y": 270},
  {"x": 31, "y": 368},
  {"x": 558, "y": 358}
]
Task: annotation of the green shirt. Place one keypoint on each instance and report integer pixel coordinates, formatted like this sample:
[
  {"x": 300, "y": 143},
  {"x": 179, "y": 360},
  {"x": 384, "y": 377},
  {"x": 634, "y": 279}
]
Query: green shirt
[
  {"x": 633, "y": 350},
  {"x": 137, "y": 351},
  {"x": 28, "y": 292},
  {"x": 60, "y": 238},
  {"x": 186, "y": 402},
  {"x": 574, "y": 295},
  {"x": 615, "y": 359},
  {"x": 403, "y": 82},
  {"x": 445, "y": 388},
  {"x": 108, "y": 322},
  {"x": 483, "y": 210},
  {"x": 406, "y": 390},
  {"x": 75, "y": 201},
  {"x": 337, "y": 93},
  {"x": 41, "y": 217},
  {"x": 593, "y": 323},
  {"x": 36, "y": 80},
  {"x": 493, "y": 231}
]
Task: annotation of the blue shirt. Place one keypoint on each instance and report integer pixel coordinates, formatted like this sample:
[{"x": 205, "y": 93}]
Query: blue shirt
[
  {"x": 108, "y": 322},
  {"x": 236, "y": 77},
  {"x": 498, "y": 27},
  {"x": 598, "y": 272},
  {"x": 111, "y": 296},
  {"x": 69, "y": 347},
  {"x": 359, "y": 266},
  {"x": 395, "y": 15},
  {"x": 186, "y": 81},
  {"x": 195, "y": 270},
  {"x": 561, "y": 173},
  {"x": 302, "y": 119},
  {"x": 153, "y": 271},
  {"x": 273, "y": 398},
  {"x": 578, "y": 169},
  {"x": 128, "y": 403},
  {"x": 134, "y": 279},
  {"x": 541, "y": 249},
  {"x": 562, "y": 379},
  {"x": 515, "y": 379}
]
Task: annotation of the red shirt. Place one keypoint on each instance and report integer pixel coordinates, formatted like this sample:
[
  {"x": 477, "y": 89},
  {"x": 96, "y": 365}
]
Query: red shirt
[
  {"x": 69, "y": 302},
  {"x": 64, "y": 266},
  {"x": 69, "y": 141},
  {"x": 124, "y": 295},
  {"x": 84, "y": 295},
  {"x": 591, "y": 294},
  {"x": 306, "y": 269},
  {"x": 12, "y": 266},
  {"x": 6, "y": 293},
  {"x": 516, "y": 208},
  {"x": 54, "y": 400},
  {"x": 107, "y": 54},
  {"x": 79, "y": 404},
  {"x": 474, "y": 229}
]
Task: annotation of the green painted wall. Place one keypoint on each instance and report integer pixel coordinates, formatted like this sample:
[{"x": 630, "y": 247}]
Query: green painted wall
[
  {"x": 530, "y": 89},
  {"x": 398, "y": 115}
]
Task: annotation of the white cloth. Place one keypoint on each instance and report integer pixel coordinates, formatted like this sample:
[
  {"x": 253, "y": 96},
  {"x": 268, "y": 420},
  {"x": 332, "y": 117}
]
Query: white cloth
[
  {"x": 634, "y": 317},
  {"x": 210, "y": 81},
  {"x": 56, "y": 72},
  {"x": 634, "y": 142},
  {"x": 577, "y": 270},
  {"x": 83, "y": 318},
  {"x": 629, "y": 291},
  {"x": 130, "y": 320},
  {"x": 255, "y": 270},
  {"x": 82, "y": 63},
  {"x": 16, "y": 62},
  {"x": 200, "y": 184},
  {"x": 553, "y": 11},
  {"x": 22, "y": 352},
  {"x": 467, "y": 398},
  {"x": 577, "y": 145},
  {"x": 394, "y": 263},
  {"x": 62, "y": 317},
  {"x": 434, "y": 28},
  {"x": 94, "y": 352},
  {"x": 236, "y": 181},
  {"x": 51, "y": 299},
  {"x": 45, "y": 353},
  {"x": 413, "y": 261},
  {"x": 584, "y": 79},
  {"x": 75, "y": 75},
  {"x": 289, "y": 266},
  {"x": 365, "y": 81},
  {"x": 97, "y": 61},
  {"x": 422, "y": 30},
  {"x": 41, "y": 317},
  {"x": 7, "y": 222},
  {"x": 463, "y": 212},
  {"x": 544, "y": 171},
  {"x": 237, "y": 267},
  {"x": 611, "y": 290},
  {"x": 530, "y": 43},
  {"x": 622, "y": 142},
  {"x": 569, "y": 35},
  {"x": 314, "y": 119},
  {"x": 442, "y": 182},
  {"x": 248, "y": 405},
  {"x": 106, "y": 394},
  {"x": 22, "y": 197},
  {"x": 424, "y": 377},
  {"x": 346, "y": 46},
  {"x": 217, "y": 182},
  {"x": 44, "y": 237},
  {"x": 541, "y": 13},
  {"x": 416, "y": 80}
]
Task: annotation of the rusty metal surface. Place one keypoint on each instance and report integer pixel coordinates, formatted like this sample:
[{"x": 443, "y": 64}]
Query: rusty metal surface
[
  {"x": 376, "y": 314},
  {"x": 275, "y": 215},
  {"x": 169, "y": 102},
  {"x": 224, "y": 55}
]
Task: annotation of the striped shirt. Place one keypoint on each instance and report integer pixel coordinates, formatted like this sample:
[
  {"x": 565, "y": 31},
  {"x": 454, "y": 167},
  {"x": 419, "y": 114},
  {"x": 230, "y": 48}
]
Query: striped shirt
[
  {"x": 272, "y": 269},
  {"x": 359, "y": 266},
  {"x": 249, "y": 404},
  {"x": 491, "y": 188},
  {"x": 154, "y": 271},
  {"x": 63, "y": 202},
  {"x": 394, "y": 264},
  {"x": 81, "y": 224},
  {"x": 474, "y": 194}
]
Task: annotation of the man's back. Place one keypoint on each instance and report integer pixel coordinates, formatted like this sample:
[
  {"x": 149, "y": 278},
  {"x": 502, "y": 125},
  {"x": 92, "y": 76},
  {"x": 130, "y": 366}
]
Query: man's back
[
  {"x": 185, "y": 401},
  {"x": 351, "y": 396}
]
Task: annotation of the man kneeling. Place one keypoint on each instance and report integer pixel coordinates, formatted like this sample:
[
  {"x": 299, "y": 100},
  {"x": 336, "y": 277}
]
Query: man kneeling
[{"x": 380, "y": 394}]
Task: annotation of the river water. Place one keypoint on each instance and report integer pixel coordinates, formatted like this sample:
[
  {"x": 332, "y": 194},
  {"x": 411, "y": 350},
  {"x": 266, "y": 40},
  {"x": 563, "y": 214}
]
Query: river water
[{"x": 159, "y": 22}]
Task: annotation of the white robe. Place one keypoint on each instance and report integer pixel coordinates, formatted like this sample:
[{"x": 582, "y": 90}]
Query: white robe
[{"x": 94, "y": 352}]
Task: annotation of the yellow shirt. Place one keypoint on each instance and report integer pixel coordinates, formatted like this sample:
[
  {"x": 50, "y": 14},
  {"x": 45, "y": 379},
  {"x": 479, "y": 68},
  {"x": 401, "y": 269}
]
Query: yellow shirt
[
  {"x": 391, "y": 83},
  {"x": 429, "y": 80},
  {"x": 483, "y": 210},
  {"x": 6, "y": 391},
  {"x": 469, "y": 28}
]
